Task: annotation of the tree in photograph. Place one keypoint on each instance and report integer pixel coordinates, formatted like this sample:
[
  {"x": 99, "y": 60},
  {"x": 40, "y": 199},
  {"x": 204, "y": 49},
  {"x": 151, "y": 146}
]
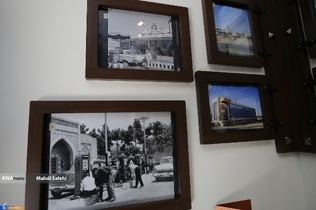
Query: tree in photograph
[
  {"x": 133, "y": 134},
  {"x": 100, "y": 142},
  {"x": 115, "y": 135},
  {"x": 128, "y": 138},
  {"x": 84, "y": 129},
  {"x": 138, "y": 131},
  {"x": 132, "y": 150},
  {"x": 158, "y": 137},
  {"x": 101, "y": 139},
  {"x": 99, "y": 135},
  {"x": 128, "y": 135},
  {"x": 93, "y": 133}
]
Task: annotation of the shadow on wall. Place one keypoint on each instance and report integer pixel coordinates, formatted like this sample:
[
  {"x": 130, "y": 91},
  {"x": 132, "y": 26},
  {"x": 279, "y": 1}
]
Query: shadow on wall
[
  {"x": 307, "y": 168},
  {"x": 274, "y": 189}
]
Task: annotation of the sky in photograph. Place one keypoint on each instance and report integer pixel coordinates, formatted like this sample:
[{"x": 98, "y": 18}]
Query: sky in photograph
[
  {"x": 125, "y": 22},
  {"x": 245, "y": 95},
  {"x": 236, "y": 18},
  {"x": 115, "y": 120}
]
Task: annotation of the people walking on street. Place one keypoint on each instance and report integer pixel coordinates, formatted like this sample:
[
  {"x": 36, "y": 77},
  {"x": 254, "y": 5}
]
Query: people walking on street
[
  {"x": 138, "y": 171},
  {"x": 132, "y": 167},
  {"x": 144, "y": 166},
  {"x": 121, "y": 168},
  {"x": 151, "y": 164},
  {"x": 138, "y": 177},
  {"x": 148, "y": 58},
  {"x": 106, "y": 175}
]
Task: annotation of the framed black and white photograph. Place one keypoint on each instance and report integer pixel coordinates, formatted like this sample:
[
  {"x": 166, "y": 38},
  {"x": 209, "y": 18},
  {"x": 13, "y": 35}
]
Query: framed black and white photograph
[
  {"x": 232, "y": 107},
  {"x": 128, "y": 155},
  {"x": 232, "y": 33},
  {"x": 138, "y": 40}
]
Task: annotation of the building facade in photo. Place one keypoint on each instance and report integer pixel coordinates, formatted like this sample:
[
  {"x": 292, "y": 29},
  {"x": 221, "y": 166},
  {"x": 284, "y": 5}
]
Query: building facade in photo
[{"x": 66, "y": 142}]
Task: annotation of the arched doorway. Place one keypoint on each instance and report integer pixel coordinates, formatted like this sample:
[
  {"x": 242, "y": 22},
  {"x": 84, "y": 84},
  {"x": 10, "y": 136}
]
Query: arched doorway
[{"x": 61, "y": 157}]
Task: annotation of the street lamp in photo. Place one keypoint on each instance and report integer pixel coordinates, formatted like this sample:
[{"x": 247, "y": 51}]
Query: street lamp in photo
[
  {"x": 142, "y": 24},
  {"x": 143, "y": 119}
]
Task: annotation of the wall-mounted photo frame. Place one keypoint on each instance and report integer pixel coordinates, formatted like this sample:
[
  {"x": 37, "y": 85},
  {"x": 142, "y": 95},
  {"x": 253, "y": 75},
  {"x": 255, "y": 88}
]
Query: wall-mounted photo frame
[
  {"x": 232, "y": 107},
  {"x": 135, "y": 142},
  {"x": 232, "y": 33},
  {"x": 308, "y": 15},
  {"x": 137, "y": 40}
]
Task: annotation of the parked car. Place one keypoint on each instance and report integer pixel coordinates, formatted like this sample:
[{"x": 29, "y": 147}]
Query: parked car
[
  {"x": 130, "y": 57},
  {"x": 164, "y": 170}
]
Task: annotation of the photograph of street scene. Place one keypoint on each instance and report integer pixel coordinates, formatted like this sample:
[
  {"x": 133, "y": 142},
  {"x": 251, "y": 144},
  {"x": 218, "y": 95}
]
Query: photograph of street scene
[
  {"x": 233, "y": 31},
  {"x": 135, "y": 40},
  {"x": 111, "y": 159},
  {"x": 234, "y": 108}
]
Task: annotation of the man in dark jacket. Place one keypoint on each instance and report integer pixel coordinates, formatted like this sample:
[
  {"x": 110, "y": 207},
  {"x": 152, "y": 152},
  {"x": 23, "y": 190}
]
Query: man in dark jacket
[
  {"x": 105, "y": 175},
  {"x": 138, "y": 172}
]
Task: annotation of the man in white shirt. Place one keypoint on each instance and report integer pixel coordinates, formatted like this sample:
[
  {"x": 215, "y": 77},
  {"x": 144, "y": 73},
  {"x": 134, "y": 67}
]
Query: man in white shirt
[{"x": 88, "y": 186}]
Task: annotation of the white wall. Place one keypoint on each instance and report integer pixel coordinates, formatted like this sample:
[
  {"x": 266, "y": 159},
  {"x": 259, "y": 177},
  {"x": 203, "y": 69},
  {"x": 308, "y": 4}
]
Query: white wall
[{"x": 42, "y": 57}]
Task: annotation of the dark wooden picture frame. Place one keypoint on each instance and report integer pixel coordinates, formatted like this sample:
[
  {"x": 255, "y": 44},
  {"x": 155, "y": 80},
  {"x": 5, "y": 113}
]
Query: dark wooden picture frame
[
  {"x": 244, "y": 132},
  {"x": 233, "y": 37},
  {"x": 181, "y": 50},
  {"x": 38, "y": 157},
  {"x": 308, "y": 14}
]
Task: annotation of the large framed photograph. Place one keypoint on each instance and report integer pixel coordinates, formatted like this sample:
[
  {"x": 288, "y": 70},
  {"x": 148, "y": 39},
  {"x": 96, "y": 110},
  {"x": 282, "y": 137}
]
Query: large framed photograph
[
  {"x": 136, "y": 40},
  {"x": 232, "y": 107},
  {"x": 107, "y": 154},
  {"x": 232, "y": 33}
]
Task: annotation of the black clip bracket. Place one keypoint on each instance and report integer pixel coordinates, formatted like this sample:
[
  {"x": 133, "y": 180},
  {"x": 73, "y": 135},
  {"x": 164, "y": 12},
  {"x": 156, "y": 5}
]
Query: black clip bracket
[
  {"x": 276, "y": 124},
  {"x": 309, "y": 84},
  {"x": 258, "y": 10},
  {"x": 265, "y": 53},
  {"x": 306, "y": 44},
  {"x": 312, "y": 122},
  {"x": 270, "y": 88}
]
